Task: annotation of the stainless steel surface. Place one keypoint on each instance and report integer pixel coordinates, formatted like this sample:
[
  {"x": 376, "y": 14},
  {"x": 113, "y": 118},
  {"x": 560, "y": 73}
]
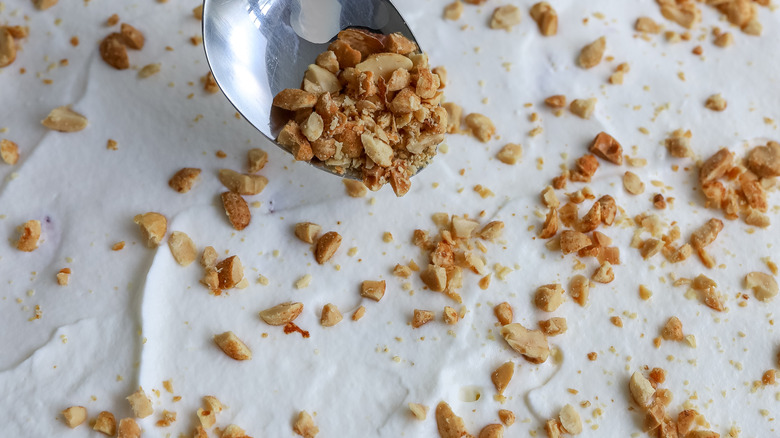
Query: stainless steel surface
[{"x": 256, "y": 48}]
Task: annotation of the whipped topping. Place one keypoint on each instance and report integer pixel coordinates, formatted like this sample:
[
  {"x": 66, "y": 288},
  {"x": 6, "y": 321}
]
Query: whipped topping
[{"x": 134, "y": 317}]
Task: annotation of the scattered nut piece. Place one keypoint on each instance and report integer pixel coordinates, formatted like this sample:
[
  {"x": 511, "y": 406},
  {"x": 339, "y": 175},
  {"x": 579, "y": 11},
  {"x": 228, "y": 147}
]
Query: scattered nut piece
[
  {"x": 579, "y": 289},
  {"x": 545, "y": 17},
  {"x": 231, "y": 272},
  {"x": 74, "y": 416},
  {"x": 583, "y": 108},
  {"x": 557, "y": 101},
  {"x": 207, "y": 418},
  {"x": 553, "y": 326},
  {"x": 105, "y": 423},
  {"x": 355, "y": 189},
  {"x": 232, "y": 346},
  {"x": 237, "y": 210},
  {"x": 570, "y": 420},
  {"x": 492, "y": 431},
  {"x": 327, "y": 245},
  {"x": 641, "y": 389},
  {"x": 30, "y": 235},
  {"x": 453, "y": 11},
  {"x": 450, "y": 315},
  {"x": 419, "y": 411},
  {"x": 256, "y": 159},
  {"x": 502, "y": 376},
  {"x": 42, "y": 5},
  {"x": 725, "y": 39},
  {"x": 182, "y": 248},
  {"x": 604, "y": 273},
  {"x": 435, "y": 277},
  {"x": 63, "y": 119},
  {"x": 510, "y": 154},
  {"x": 132, "y": 37},
  {"x": 590, "y": 55},
  {"x": 9, "y": 151},
  {"x": 549, "y": 297},
  {"x": 183, "y": 180},
  {"x": 281, "y": 314},
  {"x": 243, "y": 184},
  {"x": 531, "y": 344},
  {"x": 149, "y": 70},
  {"x": 716, "y": 102},
  {"x": 505, "y": 17},
  {"x": 128, "y": 428},
  {"x": 140, "y": 404},
  {"x": 672, "y": 330},
  {"x": 330, "y": 315},
  {"x": 153, "y": 228},
  {"x": 422, "y": 317},
  {"x": 481, "y": 126},
  {"x": 648, "y": 25},
  {"x": 307, "y": 231},
  {"x": 503, "y": 312},
  {"x": 633, "y": 184},
  {"x": 607, "y": 148},
  {"x": 449, "y": 424},
  {"x": 167, "y": 419},
  {"x": 764, "y": 285},
  {"x": 209, "y": 83}
]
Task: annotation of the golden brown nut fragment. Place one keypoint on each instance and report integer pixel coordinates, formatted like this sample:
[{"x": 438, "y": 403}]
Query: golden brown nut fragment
[
  {"x": 716, "y": 166},
  {"x": 607, "y": 148},
  {"x": 292, "y": 137},
  {"x": 648, "y": 25},
  {"x": 510, "y": 154},
  {"x": 553, "y": 428},
  {"x": 583, "y": 108},
  {"x": 716, "y": 102},
  {"x": 507, "y": 417},
  {"x": 153, "y": 228},
  {"x": 672, "y": 330},
  {"x": 128, "y": 428},
  {"x": 706, "y": 234},
  {"x": 140, "y": 404},
  {"x": 293, "y": 99},
  {"x": 419, "y": 411},
  {"x": 550, "y": 227},
  {"x": 327, "y": 246},
  {"x": 374, "y": 290},
  {"x": 9, "y": 151},
  {"x": 481, "y": 126},
  {"x": 232, "y": 346},
  {"x": 763, "y": 285},
  {"x": 63, "y": 119},
  {"x": 133, "y": 38},
  {"x": 281, "y": 314},
  {"x": 492, "y": 431},
  {"x": 449, "y": 424},
  {"x": 113, "y": 51},
  {"x": 545, "y": 17},
  {"x": 149, "y": 70},
  {"x": 570, "y": 420},
  {"x": 7, "y": 47},
  {"x": 182, "y": 248},
  {"x": 531, "y": 344},
  {"x": 307, "y": 231},
  {"x": 502, "y": 376},
  {"x": 590, "y": 55},
  {"x": 557, "y": 101},
  {"x": 503, "y": 312},
  {"x": 330, "y": 315},
  {"x": 209, "y": 83},
  {"x": 237, "y": 210},
  {"x": 256, "y": 159},
  {"x": 304, "y": 425},
  {"x": 685, "y": 13},
  {"x": 30, "y": 235},
  {"x": 42, "y": 5},
  {"x": 233, "y": 431},
  {"x": 553, "y": 326},
  {"x": 231, "y": 272},
  {"x": 604, "y": 273},
  {"x": 491, "y": 230},
  {"x": 243, "y": 184},
  {"x": 633, "y": 184},
  {"x": 641, "y": 389},
  {"x": 422, "y": 317},
  {"x": 207, "y": 418},
  {"x": 548, "y": 297},
  {"x": 74, "y": 416},
  {"x": 450, "y": 315},
  {"x": 183, "y": 180},
  {"x": 435, "y": 277},
  {"x": 573, "y": 241},
  {"x": 679, "y": 146},
  {"x": 112, "y": 20},
  {"x": 764, "y": 161},
  {"x": 105, "y": 423},
  {"x": 453, "y": 11},
  {"x": 505, "y": 17}
]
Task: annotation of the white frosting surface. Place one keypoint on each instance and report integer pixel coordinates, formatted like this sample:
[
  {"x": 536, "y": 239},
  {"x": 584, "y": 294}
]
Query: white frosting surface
[{"x": 134, "y": 317}]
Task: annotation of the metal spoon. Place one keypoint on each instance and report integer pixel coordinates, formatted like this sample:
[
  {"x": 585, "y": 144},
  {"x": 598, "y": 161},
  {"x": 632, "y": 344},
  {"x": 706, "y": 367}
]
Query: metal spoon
[{"x": 256, "y": 48}]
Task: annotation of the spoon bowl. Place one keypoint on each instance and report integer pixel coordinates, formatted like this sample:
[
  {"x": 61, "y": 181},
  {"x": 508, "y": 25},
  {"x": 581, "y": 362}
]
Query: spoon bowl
[{"x": 257, "y": 48}]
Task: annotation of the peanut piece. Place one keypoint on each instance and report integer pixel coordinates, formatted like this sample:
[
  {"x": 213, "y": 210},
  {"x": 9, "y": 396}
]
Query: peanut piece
[
  {"x": 502, "y": 376},
  {"x": 140, "y": 404},
  {"x": 9, "y": 151},
  {"x": 63, "y": 119},
  {"x": 304, "y": 425},
  {"x": 183, "y": 180},
  {"x": 591, "y": 54},
  {"x": 422, "y": 317},
  {"x": 307, "y": 231},
  {"x": 74, "y": 416},
  {"x": 182, "y": 248},
  {"x": 232, "y": 346},
  {"x": 327, "y": 245},
  {"x": 237, "y": 210},
  {"x": 30, "y": 235},
  {"x": 531, "y": 344},
  {"x": 449, "y": 424},
  {"x": 281, "y": 314},
  {"x": 153, "y": 227},
  {"x": 243, "y": 184}
]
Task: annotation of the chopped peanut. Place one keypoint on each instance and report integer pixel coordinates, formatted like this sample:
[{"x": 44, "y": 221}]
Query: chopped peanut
[
  {"x": 327, "y": 245},
  {"x": 510, "y": 154},
  {"x": 481, "y": 127},
  {"x": 763, "y": 285},
  {"x": 30, "y": 236},
  {"x": 153, "y": 227},
  {"x": 9, "y": 151},
  {"x": 243, "y": 184},
  {"x": 641, "y": 389},
  {"x": 502, "y": 375},
  {"x": 716, "y": 102},
  {"x": 553, "y": 326},
  {"x": 63, "y": 119},
  {"x": 374, "y": 290},
  {"x": 591, "y": 54},
  {"x": 105, "y": 423},
  {"x": 282, "y": 313},
  {"x": 549, "y": 297},
  {"x": 449, "y": 424},
  {"x": 503, "y": 312},
  {"x": 545, "y": 17},
  {"x": 422, "y": 317},
  {"x": 583, "y": 108},
  {"x": 183, "y": 180},
  {"x": 140, "y": 404},
  {"x": 330, "y": 315},
  {"x": 128, "y": 428},
  {"x": 673, "y": 330},
  {"x": 570, "y": 420},
  {"x": 531, "y": 344},
  {"x": 232, "y": 346},
  {"x": 505, "y": 17},
  {"x": 74, "y": 416},
  {"x": 307, "y": 231},
  {"x": 182, "y": 248}
]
